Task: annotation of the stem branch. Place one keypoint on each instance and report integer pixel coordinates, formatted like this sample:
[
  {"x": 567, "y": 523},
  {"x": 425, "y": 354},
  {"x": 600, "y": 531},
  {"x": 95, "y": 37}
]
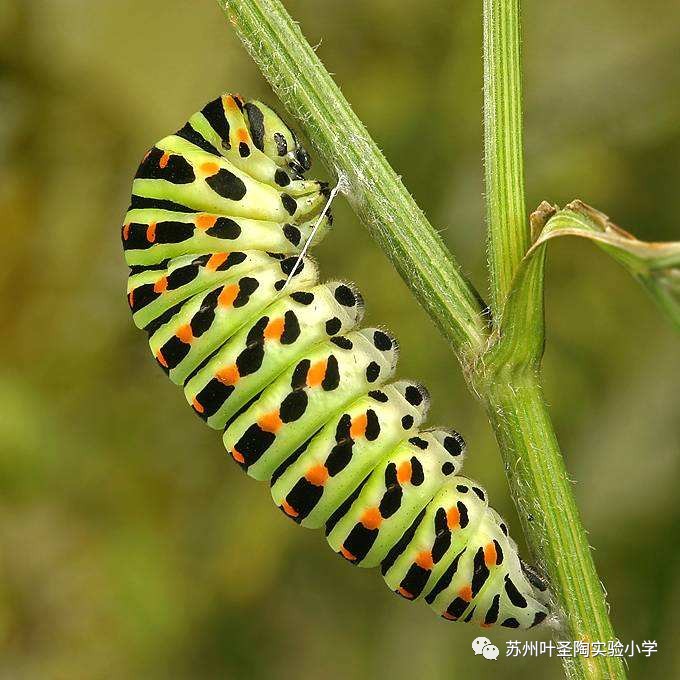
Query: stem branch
[{"x": 508, "y": 229}]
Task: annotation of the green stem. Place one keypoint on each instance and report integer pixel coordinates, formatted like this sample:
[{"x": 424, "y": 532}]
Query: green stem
[
  {"x": 547, "y": 509},
  {"x": 508, "y": 228},
  {"x": 372, "y": 187},
  {"x": 509, "y": 372}
]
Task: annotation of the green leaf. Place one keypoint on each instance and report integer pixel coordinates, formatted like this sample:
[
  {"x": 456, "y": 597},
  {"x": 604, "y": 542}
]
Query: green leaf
[
  {"x": 655, "y": 265},
  {"x": 518, "y": 342}
]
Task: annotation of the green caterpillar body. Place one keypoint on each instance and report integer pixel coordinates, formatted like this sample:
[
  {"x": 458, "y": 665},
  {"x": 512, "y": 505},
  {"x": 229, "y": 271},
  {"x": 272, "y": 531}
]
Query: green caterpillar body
[{"x": 220, "y": 213}]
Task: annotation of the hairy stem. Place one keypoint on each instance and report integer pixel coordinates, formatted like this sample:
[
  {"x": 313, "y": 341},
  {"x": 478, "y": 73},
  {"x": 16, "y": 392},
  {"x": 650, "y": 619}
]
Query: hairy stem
[
  {"x": 372, "y": 187},
  {"x": 508, "y": 229}
]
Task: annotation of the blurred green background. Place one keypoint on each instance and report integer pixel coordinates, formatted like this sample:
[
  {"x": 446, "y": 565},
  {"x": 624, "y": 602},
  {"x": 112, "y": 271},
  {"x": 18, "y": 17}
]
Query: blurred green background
[{"x": 129, "y": 546}]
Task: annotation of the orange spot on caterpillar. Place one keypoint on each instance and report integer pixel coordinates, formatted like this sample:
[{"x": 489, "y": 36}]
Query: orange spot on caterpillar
[
  {"x": 347, "y": 554},
  {"x": 205, "y": 221},
  {"x": 317, "y": 475},
  {"x": 161, "y": 285},
  {"x": 289, "y": 509},
  {"x": 316, "y": 373},
  {"x": 449, "y": 617},
  {"x": 242, "y": 135},
  {"x": 453, "y": 518},
  {"x": 151, "y": 232},
  {"x": 274, "y": 329},
  {"x": 198, "y": 407},
  {"x": 465, "y": 593},
  {"x": 229, "y": 375},
  {"x": 161, "y": 359},
  {"x": 270, "y": 422},
  {"x": 185, "y": 334},
  {"x": 209, "y": 168},
  {"x": 404, "y": 472},
  {"x": 424, "y": 560},
  {"x": 238, "y": 457},
  {"x": 215, "y": 260},
  {"x": 126, "y": 231},
  {"x": 358, "y": 427},
  {"x": 485, "y": 625},
  {"x": 163, "y": 161},
  {"x": 490, "y": 554},
  {"x": 131, "y": 298},
  {"x": 228, "y": 295},
  {"x": 405, "y": 593},
  {"x": 371, "y": 518}
]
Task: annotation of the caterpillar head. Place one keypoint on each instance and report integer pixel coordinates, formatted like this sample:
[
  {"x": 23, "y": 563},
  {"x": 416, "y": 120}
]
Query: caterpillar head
[{"x": 272, "y": 136}]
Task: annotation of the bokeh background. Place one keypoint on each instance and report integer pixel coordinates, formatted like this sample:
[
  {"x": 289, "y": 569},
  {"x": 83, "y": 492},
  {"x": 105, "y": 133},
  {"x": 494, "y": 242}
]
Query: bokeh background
[{"x": 129, "y": 546}]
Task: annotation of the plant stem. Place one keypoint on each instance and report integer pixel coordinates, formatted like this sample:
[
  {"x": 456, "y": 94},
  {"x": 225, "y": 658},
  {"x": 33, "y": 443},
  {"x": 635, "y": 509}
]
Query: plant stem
[
  {"x": 510, "y": 372},
  {"x": 508, "y": 228},
  {"x": 547, "y": 509},
  {"x": 510, "y": 389},
  {"x": 371, "y": 185}
]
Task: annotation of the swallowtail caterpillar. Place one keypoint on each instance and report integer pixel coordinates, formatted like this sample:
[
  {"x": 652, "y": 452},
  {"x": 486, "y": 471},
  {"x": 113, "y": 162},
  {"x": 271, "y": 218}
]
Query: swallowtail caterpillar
[{"x": 220, "y": 213}]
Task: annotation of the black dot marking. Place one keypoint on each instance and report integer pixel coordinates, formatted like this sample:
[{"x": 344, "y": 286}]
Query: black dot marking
[
  {"x": 293, "y": 406},
  {"x": 479, "y": 492},
  {"x": 480, "y": 572},
  {"x": 510, "y": 623},
  {"x": 372, "y": 425},
  {"x": 289, "y": 203},
  {"x": 540, "y": 617},
  {"x": 256, "y": 124},
  {"x": 303, "y": 297},
  {"x": 225, "y": 228},
  {"x": 378, "y": 395},
  {"x": 448, "y": 468},
  {"x": 176, "y": 169},
  {"x": 492, "y": 613},
  {"x": 214, "y": 113},
  {"x": 292, "y": 264},
  {"x": 462, "y": 488},
  {"x": 372, "y": 372},
  {"x": 142, "y": 202},
  {"x": 463, "y": 513},
  {"x": 499, "y": 552},
  {"x": 413, "y": 395},
  {"x": 292, "y": 234},
  {"x": 281, "y": 178},
  {"x": 243, "y": 150},
  {"x": 197, "y": 139},
  {"x": 342, "y": 342},
  {"x": 291, "y": 328},
  {"x": 345, "y": 296},
  {"x": 419, "y": 442},
  {"x": 181, "y": 276},
  {"x": 333, "y": 326},
  {"x": 417, "y": 472},
  {"x": 515, "y": 596},
  {"x": 281, "y": 145},
  {"x": 227, "y": 185},
  {"x": 331, "y": 380},
  {"x": 454, "y": 445},
  {"x": 299, "y": 378},
  {"x": 407, "y": 422},
  {"x": 504, "y": 529},
  {"x": 382, "y": 341}
]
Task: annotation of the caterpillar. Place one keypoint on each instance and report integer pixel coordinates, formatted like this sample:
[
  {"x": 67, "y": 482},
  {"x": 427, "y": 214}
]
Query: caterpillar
[{"x": 219, "y": 215}]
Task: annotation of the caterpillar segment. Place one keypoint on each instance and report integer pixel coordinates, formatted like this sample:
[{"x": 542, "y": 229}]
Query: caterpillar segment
[{"x": 219, "y": 215}]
